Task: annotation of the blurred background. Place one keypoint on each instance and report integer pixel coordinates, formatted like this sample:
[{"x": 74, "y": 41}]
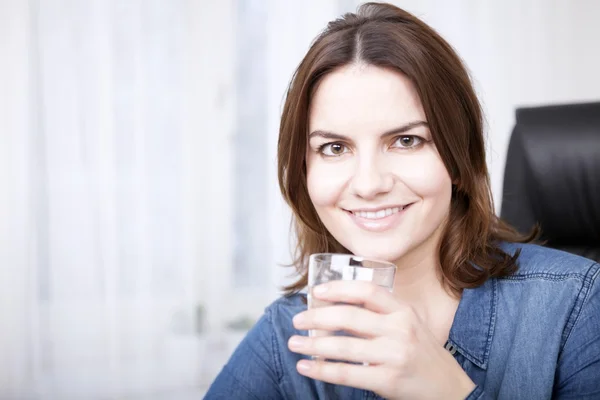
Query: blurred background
[{"x": 141, "y": 226}]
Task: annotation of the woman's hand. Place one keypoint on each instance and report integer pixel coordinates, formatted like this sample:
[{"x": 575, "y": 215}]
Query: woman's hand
[{"x": 404, "y": 359}]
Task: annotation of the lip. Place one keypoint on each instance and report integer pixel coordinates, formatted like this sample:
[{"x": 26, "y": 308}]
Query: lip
[
  {"x": 381, "y": 224},
  {"x": 375, "y": 209}
]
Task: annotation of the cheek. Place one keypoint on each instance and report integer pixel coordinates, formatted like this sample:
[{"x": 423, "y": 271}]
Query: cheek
[
  {"x": 430, "y": 178},
  {"x": 325, "y": 183}
]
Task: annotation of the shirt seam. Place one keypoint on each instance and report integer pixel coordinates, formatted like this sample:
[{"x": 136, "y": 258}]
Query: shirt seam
[
  {"x": 476, "y": 394},
  {"x": 275, "y": 349},
  {"x": 544, "y": 276},
  {"x": 491, "y": 328},
  {"x": 482, "y": 362},
  {"x": 582, "y": 296},
  {"x": 239, "y": 382}
]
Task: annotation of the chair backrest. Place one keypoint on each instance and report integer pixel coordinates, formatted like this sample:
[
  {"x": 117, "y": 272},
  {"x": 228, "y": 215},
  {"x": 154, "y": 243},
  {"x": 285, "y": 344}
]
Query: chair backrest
[{"x": 552, "y": 176}]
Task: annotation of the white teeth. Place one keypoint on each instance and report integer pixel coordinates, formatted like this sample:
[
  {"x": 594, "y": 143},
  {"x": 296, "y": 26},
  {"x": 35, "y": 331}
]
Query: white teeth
[{"x": 379, "y": 214}]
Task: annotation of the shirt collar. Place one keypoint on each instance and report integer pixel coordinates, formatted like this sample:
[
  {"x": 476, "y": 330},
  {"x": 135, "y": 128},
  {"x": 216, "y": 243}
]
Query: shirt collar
[{"x": 473, "y": 326}]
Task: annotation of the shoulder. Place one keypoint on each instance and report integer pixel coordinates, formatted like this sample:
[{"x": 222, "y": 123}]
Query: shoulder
[
  {"x": 258, "y": 365},
  {"x": 555, "y": 285},
  {"x": 275, "y": 325},
  {"x": 535, "y": 260},
  {"x": 543, "y": 319},
  {"x": 282, "y": 310}
]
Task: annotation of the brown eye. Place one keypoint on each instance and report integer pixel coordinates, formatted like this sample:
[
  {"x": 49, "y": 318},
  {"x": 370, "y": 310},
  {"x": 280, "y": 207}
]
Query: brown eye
[
  {"x": 337, "y": 148},
  {"x": 407, "y": 142},
  {"x": 333, "y": 149}
]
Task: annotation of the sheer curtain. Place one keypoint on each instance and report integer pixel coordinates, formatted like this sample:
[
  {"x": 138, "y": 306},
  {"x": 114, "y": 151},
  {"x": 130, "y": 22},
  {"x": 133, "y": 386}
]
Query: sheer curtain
[{"x": 100, "y": 271}]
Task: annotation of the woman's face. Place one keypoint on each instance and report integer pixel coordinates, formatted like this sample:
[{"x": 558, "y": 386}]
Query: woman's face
[{"x": 374, "y": 174}]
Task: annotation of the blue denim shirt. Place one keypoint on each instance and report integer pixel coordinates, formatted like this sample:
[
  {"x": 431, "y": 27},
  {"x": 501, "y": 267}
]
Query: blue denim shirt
[{"x": 533, "y": 335}]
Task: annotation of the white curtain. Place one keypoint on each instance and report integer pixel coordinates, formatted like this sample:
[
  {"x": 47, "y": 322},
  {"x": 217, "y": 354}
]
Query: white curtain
[
  {"x": 101, "y": 232},
  {"x": 141, "y": 225}
]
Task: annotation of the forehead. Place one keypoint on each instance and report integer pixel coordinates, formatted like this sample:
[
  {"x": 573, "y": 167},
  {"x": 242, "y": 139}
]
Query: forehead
[{"x": 364, "y": 99}]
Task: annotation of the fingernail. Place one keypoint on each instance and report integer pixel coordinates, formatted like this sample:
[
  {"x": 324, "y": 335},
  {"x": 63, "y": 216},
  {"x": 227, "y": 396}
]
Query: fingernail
[
  {"x": 320, "y": 289},
  {"x": 296, "y": 342},
  {"x": 303, "y": 365}
]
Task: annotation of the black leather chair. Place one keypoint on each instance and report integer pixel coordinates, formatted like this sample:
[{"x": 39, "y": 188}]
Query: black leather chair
[{"x": 552, "y": 176}]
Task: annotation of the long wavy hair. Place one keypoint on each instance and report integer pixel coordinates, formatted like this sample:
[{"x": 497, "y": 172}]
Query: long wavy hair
[{"x": 386, "y": 36}]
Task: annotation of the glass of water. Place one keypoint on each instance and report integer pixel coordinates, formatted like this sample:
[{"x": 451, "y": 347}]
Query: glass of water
[{"x": 326, "y": 267}]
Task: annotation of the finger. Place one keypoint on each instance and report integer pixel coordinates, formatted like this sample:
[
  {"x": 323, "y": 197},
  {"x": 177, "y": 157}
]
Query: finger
[
  {"x": 368, "y": 294},
  {"x": 343, "y": 348},
  {"x": 358, "y": 376},
  {"x": 352, "y": 319}
]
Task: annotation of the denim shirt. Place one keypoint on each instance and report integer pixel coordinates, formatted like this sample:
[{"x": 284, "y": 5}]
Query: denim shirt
[{"x": 532, "y": 335}]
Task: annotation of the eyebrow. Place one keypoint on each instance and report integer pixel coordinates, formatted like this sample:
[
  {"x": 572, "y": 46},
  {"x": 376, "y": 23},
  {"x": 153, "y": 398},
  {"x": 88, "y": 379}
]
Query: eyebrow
[{"x": 391, "y": 132}]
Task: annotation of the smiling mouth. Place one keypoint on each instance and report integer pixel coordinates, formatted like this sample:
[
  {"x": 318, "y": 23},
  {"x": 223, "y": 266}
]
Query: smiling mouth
[{"x": 380, "y": 214}]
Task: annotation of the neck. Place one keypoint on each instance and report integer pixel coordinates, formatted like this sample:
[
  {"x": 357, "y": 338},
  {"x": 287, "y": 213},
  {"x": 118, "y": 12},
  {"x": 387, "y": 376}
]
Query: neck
[
  {"x": 418, "y": 283},
  {"x": 417, "y": 279}
]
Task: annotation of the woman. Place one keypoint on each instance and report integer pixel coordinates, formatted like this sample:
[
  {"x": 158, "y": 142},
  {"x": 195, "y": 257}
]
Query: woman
[{"x": 381, "y": 154}]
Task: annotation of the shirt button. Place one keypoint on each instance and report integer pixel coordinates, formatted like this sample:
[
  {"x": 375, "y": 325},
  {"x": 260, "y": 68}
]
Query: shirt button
[{"x": 450, "y": 348}]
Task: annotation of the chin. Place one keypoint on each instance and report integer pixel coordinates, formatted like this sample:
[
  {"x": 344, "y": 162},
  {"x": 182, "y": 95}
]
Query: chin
[
  {"x": 380, "y": 256},
  {"x": 390, "y": 250}
]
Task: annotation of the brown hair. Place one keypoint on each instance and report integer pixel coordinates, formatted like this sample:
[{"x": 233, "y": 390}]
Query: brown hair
[{"x": 386, "y": 36}]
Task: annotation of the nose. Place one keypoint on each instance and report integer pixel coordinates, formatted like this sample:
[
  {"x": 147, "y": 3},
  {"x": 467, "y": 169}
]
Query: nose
[{"x": 371, "y": 178}]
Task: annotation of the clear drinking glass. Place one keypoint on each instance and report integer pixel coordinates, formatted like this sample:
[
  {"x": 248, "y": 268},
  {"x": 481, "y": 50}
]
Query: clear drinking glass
[{"x": 325, "y": 267}]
